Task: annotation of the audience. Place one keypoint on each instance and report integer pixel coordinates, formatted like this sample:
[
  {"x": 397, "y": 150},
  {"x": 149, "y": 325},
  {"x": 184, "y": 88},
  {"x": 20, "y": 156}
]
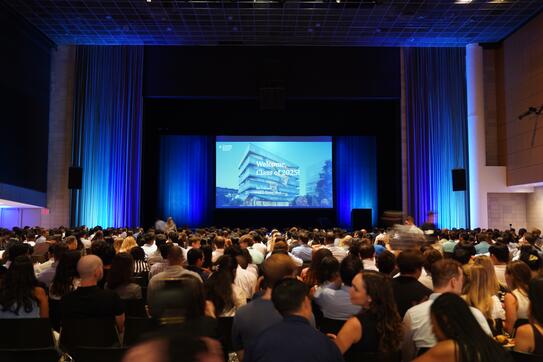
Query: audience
[
  {"x": 290, "y": 298},
  {"x": 66, "y": 278},
  {"x": 140, "y": 265},
  {"x": 253, "y": 318},
  {"x": 459, "y": 334},
  {"x": 517, "y": 303},
  {"x": 529, "y": 337},
  {"x": 377, "y": 328},
  {"x": 120, "y": 277},
  {"x": 21, "y": 296},
  {"x": 408, "y": 291},
  {"x": 221, "y": 290},
  {"x": 90, "y": 301},
  {"x": 499, "y": 254},
  {"x": 195, "y": 259},
  {"x": 47, "y": 274}
]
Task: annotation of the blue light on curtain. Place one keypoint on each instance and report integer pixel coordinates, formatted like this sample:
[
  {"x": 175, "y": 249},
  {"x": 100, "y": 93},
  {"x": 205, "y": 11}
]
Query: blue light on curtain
[
  {"x": 107, "y": 134},
  {"x": 436, "y": 113},
  {"x": 356, "y": 176},
  {"x": 186, "y": 179}
]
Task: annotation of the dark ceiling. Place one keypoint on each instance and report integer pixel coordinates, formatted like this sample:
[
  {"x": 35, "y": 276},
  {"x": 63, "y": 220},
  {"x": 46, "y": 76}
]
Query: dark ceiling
[{"x": 282, "y": 22}]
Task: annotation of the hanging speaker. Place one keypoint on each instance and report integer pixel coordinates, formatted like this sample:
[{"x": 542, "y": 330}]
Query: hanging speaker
[
  {"x": 459, "y": 179},
  {"x": 75, "y": 178}
]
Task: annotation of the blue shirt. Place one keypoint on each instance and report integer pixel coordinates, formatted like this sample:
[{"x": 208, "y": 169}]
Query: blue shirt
[
  {"x": 293, "y": 339},
  {"x": 482, "y": 247},
  {"x": 304, "y": 252},
  {"x": 334, "y": 302}
]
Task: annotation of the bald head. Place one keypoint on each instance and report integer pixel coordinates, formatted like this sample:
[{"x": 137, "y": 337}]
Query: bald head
[
  {"x": 90, "y": 267},
  {"x": 175, "y": 256}
]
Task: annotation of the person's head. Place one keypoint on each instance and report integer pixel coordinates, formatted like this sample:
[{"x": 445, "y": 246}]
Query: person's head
[
  {"x": 349, "y": 267},
  {"x": 57, "y": 250},
  {"x": 366, "y": 250},
  {"x": 486, "y": 263},
  {"x": 104, "y": 251},
  {"x": 410, "y": 262},
  {"x": 219, "y": 284},
  {"x": 277, "y": 267},
  {"x": 430, "y": 256},
  {"x": 71, "y": 242},
  {"x": 499, "y": 253},
  {"x": 170, "y": 221},
  {"x": 149, "y": 238},
  {"x": 518, "y": 275},
  {"x": 535, "y": 293},
  {"x": 137, "y": 253},
  {"x": 17, "y": 249},
  {"x": 175, "y": 256},
  {"x": 245, "y": 241},
  {"x": 447, "y": 276},
  {"x": 90, "y": 269},
  {"x": 121, "y": 271},
  {"x": 303, "y": 237},
  {"x": 532, "y": 258},
  {"x": 290, "y": 296},
  {"x": 328, "y": 270},
  {"x": 219, "y": 242},
  {"x": 195, "y": 257},
  {"x": 386, "y": 262},
  {"x": 329, "y": 238},
  {"x": 195, "y": 242},
  {"x": 482, "y": 286},
  {"x": 409, "y": 220},
  {"x": 17, "y": 292},
  {"x": 178, "y": 301},
  {"x": 463, "y": 253},
  {"x": 373, "y": 291},
  {"x": 65, "y": 273}
]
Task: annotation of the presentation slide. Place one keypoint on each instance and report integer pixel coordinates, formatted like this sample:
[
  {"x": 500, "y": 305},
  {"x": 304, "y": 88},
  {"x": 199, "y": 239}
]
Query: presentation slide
[{"x": 274, "y": 172}]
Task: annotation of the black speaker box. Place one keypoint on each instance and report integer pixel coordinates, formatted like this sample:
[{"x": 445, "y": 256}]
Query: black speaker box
[
  {"x": 75, "y": 178},
  {"x": 361, "y": 219},
  {"x": 459, "y": 179}
]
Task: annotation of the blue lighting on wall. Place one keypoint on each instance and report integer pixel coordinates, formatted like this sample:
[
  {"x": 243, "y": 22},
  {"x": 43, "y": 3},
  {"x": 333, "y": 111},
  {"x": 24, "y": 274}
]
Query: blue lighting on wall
[
  {"x": 107, "y": 135},
  {"x": 186, "y": 179},
  {"x": 436, "y": 113},
  {"x": 356, "y": 176}
]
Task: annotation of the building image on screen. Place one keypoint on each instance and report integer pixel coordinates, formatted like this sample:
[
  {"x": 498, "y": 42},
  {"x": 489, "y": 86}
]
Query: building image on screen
[{"x": 280, "y": 172}]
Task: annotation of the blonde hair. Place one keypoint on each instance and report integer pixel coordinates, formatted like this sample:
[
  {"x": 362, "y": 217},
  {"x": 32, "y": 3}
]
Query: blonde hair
[
  {"x": 117, "y": 243},
  {"x": 128, "y": 243},
  {"x": 481, "y": 289},
  {"x": 486, "y": 262}
]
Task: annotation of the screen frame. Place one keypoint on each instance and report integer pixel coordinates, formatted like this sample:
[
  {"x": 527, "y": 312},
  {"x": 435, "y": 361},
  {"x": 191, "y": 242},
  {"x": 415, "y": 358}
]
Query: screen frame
[{"x": 290, "y": 209}]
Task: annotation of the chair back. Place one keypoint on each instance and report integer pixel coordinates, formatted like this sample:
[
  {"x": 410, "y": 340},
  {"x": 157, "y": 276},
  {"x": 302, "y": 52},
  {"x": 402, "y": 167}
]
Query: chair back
[
  {"x": 26, "y": 333},
  {"x": 91, "y": 332},
  {"x": 135, "y": 308},
  {"x": 135, "y": 328},
  {"x": 526, "y": 357},
  {"x": 101, "y": 354},
  {"x": 29, "y": 354}
]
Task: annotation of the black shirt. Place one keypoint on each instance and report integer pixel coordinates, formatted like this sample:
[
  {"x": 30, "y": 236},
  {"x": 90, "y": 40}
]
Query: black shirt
[
  {"x": 408, "y": 292},
  {"x": 91, "y": 302},
  {"x": 293, "y": 339}
]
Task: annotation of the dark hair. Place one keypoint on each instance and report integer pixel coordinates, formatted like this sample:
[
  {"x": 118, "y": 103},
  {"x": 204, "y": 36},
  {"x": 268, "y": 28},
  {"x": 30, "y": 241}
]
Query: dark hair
[
  {"x": 531, "y": 257},
  {"x": 65, "y": 273},
  {"x": 455, "y": 319},
  {"x": 535, "y": 293},
  {"x": 163, "y": 249},
  {"x": 193, "y": 255},
  {"x": 288, "y": 295},
  {"x": 329, "y": 238},
  {"x": 500, "y": 252},
  {"x": 179, "y": 300},
  {"x": 316, "y": 259},
  {"x": 349, "y": 267},
  {"x": 138, "y": 253},
  {"x": 18, "y": 249},
  {"x": 383, "y": 307},
  {"x": 328, "y": 268},
  {"x": 521, "y": 274},
  {"x": 463, "y": 253},
  {"x": 18, "y": 285},
  {"x": 208, "y": 256},
  {"x": 366, "y": 250},
  {"x": 121, "y": 270},
  {"x": 444, "y": 270},
  {"x": 103, "y": 250},
  {"x": 430, "y": 256},
  {"x": 57, "y": 250},
  {"x": 386, "y": 262},
  {"x": 409, "y": 261},
  {"x": 219, "y": 284}
]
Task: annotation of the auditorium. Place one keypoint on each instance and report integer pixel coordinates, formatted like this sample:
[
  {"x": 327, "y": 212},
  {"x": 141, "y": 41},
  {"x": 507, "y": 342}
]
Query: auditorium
[{"x": 271, "y": 180}]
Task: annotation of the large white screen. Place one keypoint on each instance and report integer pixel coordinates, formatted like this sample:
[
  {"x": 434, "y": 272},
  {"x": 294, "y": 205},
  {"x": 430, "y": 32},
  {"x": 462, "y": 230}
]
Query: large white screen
[{"x": 274, "y": 172}]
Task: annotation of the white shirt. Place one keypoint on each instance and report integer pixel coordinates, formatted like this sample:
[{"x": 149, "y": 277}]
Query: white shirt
[
  {"x": 260, "y": 247},
  {"x": 246, "y": 280},
  {"x": 418, "y": 326},
  {"x": 337, "y": 252},
  {"x": 500, "y": 274},
  {"x": 86, "y": 243},
  {"x": 149, "y": 249},
  {"x": 217, "y": 253},
  {"x": 426, "y": 279},
  {"x": 369, "y": 264}
]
